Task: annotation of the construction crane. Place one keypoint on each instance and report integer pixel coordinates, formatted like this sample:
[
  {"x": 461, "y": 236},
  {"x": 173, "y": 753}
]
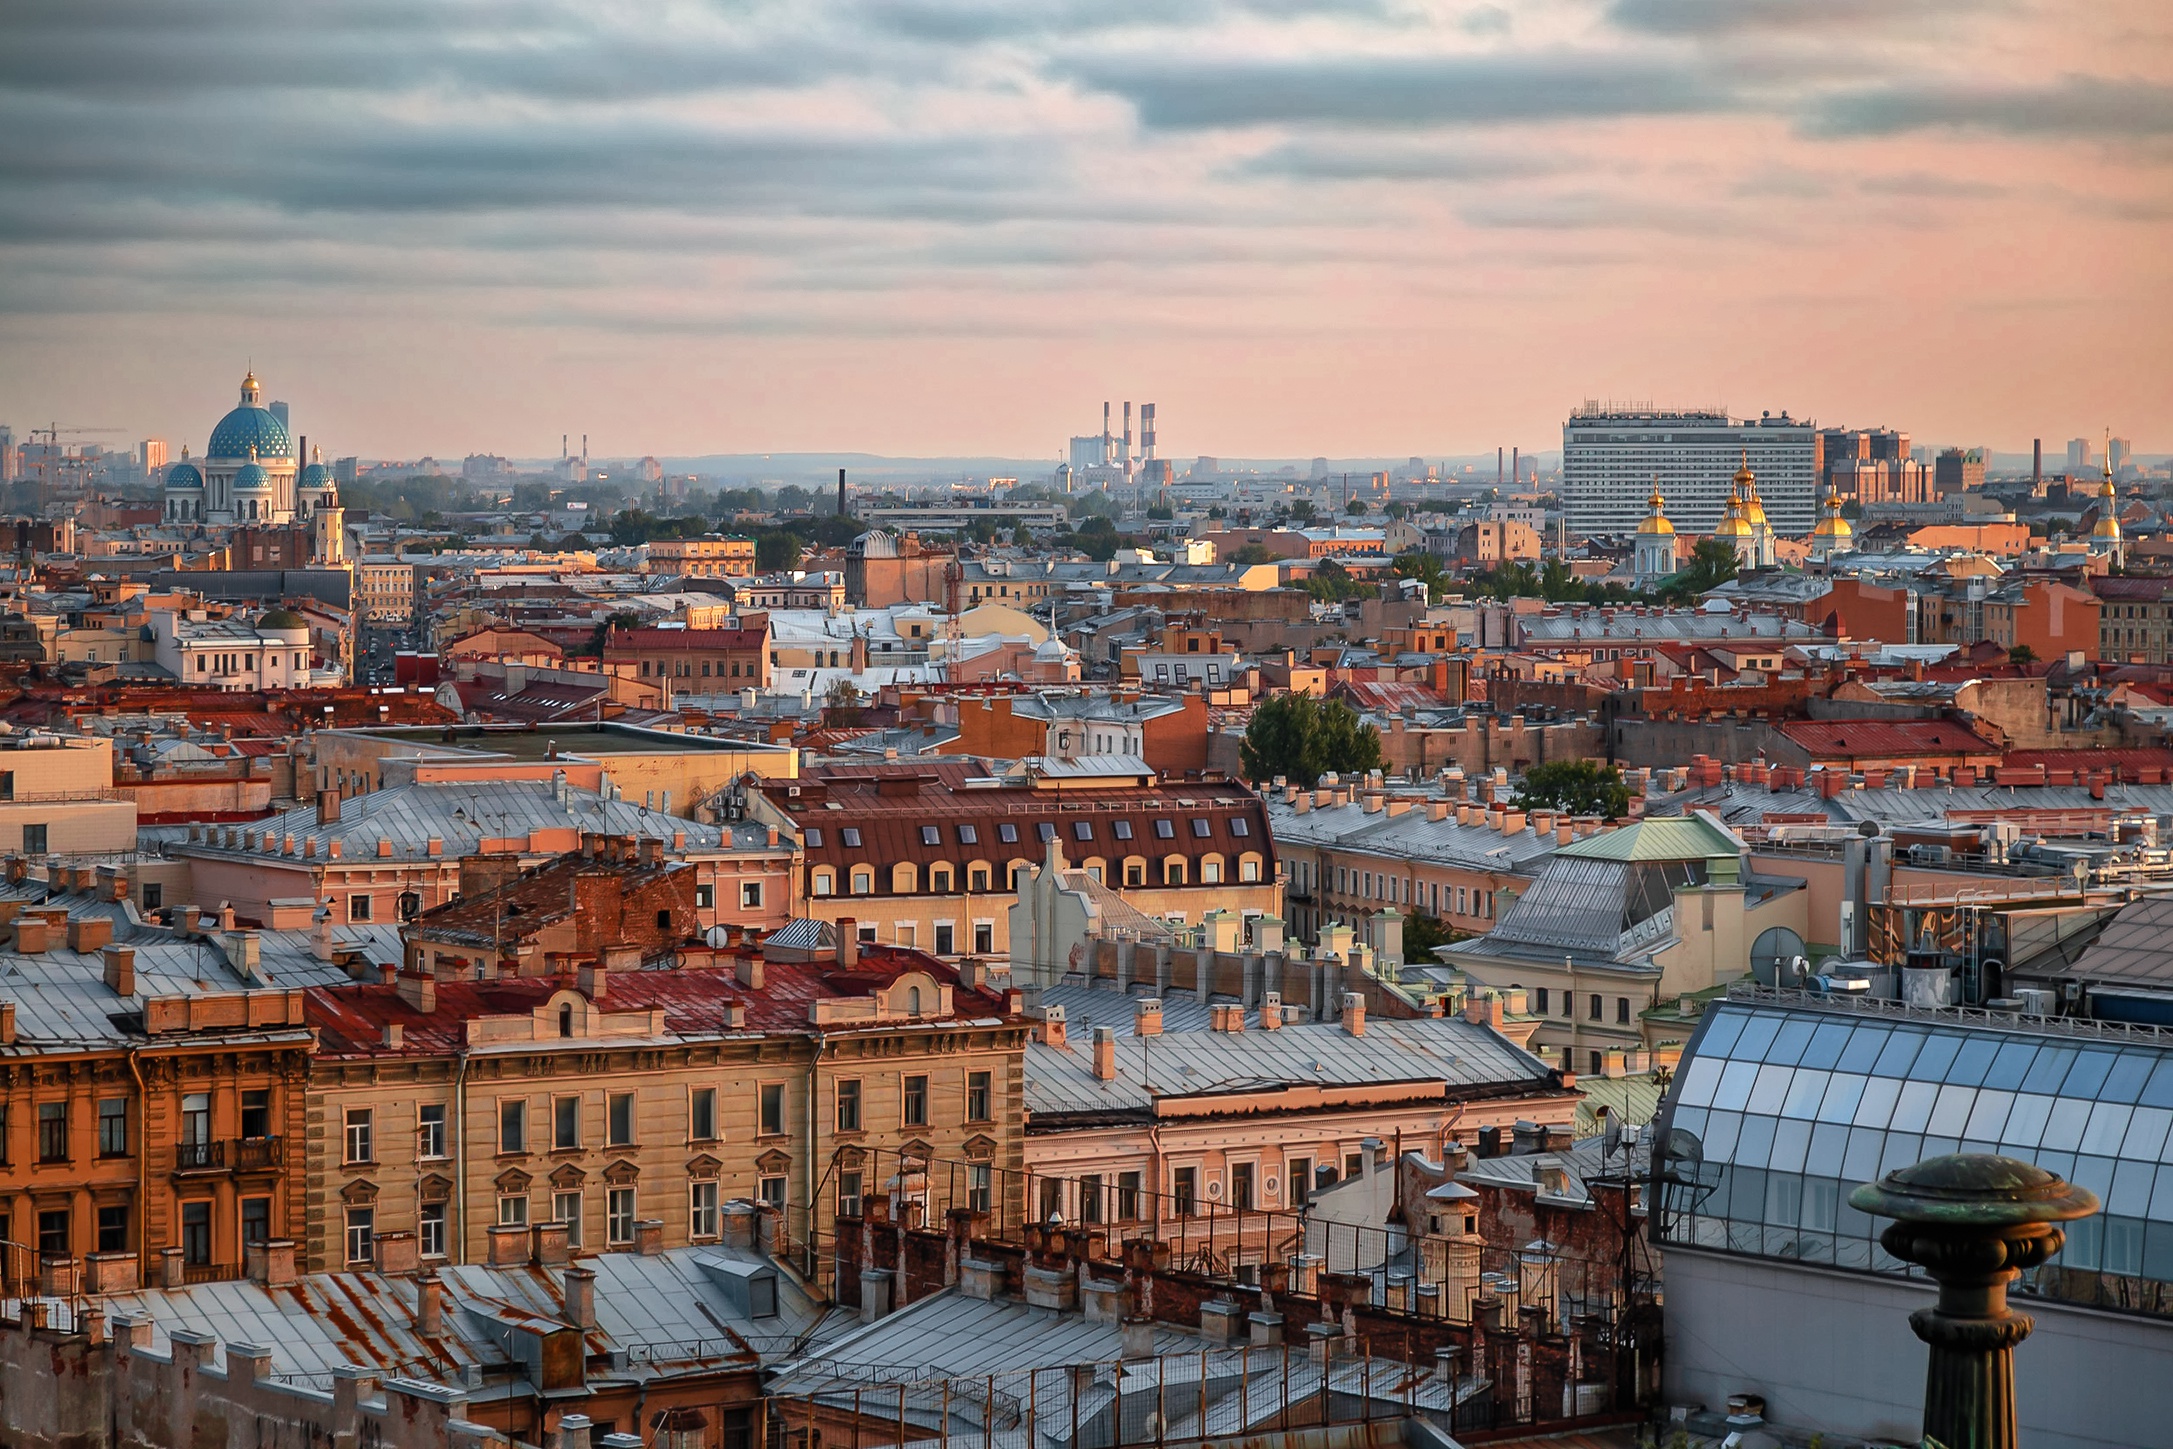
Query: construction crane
[{"x": 51, "y": 459}]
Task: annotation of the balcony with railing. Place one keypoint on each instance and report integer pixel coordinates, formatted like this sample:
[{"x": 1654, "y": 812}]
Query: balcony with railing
[
  {"x": 237, "y": 1154},
  {"x": 203, "y": 1156},
  {"x": 256, "y": 1153}
]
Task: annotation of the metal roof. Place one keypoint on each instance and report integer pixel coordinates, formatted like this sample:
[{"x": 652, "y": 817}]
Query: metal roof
[
  {"x": 1685, "y": 837},
  {"x": 1832, "y": 738},
  {"x": 2135, "y": 948},
  {"x": 1408, "y": 836},
  {"x": 1461, "y": 1056}
]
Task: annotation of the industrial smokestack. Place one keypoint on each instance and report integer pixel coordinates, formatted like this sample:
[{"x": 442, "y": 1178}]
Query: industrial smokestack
[
  {"x": 1497, "y": 467},
  {"x": 1516, "y": 467},
  {"x": 1109, "y": 446},
  {"x": 584, "y": 447},
  {"x": 1127, "y": 436},
  {"x": 2037, "y": 462},
  {"x": 563, "y": 455},
  {"x": 1146, "y": 431},
  {"x": 841, "y": 494}
]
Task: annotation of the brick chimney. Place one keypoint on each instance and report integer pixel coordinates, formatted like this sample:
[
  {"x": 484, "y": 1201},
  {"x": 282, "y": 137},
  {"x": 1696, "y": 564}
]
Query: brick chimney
[
  {"x": 848, "y": 948},
  {"x": 418, "y": 989},
  {"x": 1271, "y": 1011},
  {"x": 1053, "y": 1032},
  {"x": 120, "y": 962},
  {"x": 430, "y": 1306},
  {"x": 1147, "y": 1017},
  {"x": 1354, "y": 1013},
  {"x": 328, "y": 807},
  {"x": 1105, "y": 1050},
  {"x": 580, "y": 1288}
]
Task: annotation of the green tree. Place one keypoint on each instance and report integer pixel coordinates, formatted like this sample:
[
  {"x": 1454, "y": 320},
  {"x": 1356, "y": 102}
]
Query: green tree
[
  {"x": 1418, "y": 564},
  {"x": 1580, "y": 787},
  {"x": 1252, "y": 553},
  {"x": 2022, "y": 654},
  {"x": 1302, "y": 510},
  {"x": 777, "y": 551},
  {"x": 1097, "y": 538},
  {"x": 1022, "y": 537},
  {"x": 1161, "y": 513},
  {"x": 1301, "y": 738},
  {"x": 1712, "y": 563},
  {"x": 1355, "y": 507},
  {"x": 1332, "y": 583},
  {"x": 1397, "y": 510},
  {"x": 1421, "y": 933}
]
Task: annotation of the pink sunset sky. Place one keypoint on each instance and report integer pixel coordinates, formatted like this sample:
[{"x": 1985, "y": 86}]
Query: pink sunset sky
[{"x": 910, "y": 227}]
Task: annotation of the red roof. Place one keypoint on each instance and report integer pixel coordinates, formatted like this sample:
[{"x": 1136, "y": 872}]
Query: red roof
[
  {"x": 2128, "y": 763},
  {"x": 351, "y": 1020},
  {"x": 1886, "y": 739},
  {"x": 704, "y": 639}
]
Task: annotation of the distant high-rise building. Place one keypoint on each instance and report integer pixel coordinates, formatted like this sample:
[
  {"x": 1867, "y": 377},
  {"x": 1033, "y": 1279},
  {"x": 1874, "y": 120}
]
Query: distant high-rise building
[
  {"x": 1320, "y": 469},
  {"x": 1613, "y": 456},
  {"x": 2079, "y": 454},
  {"x": 1087, "y": 452},
  {"x": 9, "y": 462},
  {"x": 279, "y": 411},
  {"x": 151, "y": 454},
  {"x": 1958, "y": 470},
  {"x": 2118, "y": 453}
]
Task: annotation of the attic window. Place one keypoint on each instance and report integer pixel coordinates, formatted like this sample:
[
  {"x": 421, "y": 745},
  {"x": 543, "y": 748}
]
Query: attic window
[
  {"x": 1165, "y": 830},
  {"x": 1007, "y": 833},
  {"x": 967, "y": 835},
  {"x": 1122, "y": 829},
  {"x": 850, "y": 834},
  {"x": 1082, "y": 830},
  {"x": 1238, "y": 826},
  {"x": 1047, "y": 832},
  {"x": 931, "y": 835},
  {"x": 813, "y": 836},
  {"x": 1202, "y": 829}
]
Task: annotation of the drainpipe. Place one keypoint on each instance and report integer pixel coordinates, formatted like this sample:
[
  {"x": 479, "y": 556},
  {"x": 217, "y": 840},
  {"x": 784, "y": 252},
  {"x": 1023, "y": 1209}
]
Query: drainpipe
[
  {"x": 143, "y": 1168},
  {"x": 814, "y": 1100},
  {"x": 460, "y": 1155}
]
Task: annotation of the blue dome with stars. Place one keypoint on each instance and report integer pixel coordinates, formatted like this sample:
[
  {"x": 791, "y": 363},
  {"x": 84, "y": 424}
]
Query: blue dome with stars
[
  {"x": 316, "y": 475},
  {"x": 251, "y": 430},
  {"x": 251, "y": 478},
  {"x": 184, "y": 474}
]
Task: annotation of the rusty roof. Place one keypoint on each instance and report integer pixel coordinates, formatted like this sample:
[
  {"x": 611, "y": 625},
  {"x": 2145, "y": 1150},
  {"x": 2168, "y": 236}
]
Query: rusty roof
[
  {"x": 1843, "y": 738},
  {"x": 696, "y": 1002}
]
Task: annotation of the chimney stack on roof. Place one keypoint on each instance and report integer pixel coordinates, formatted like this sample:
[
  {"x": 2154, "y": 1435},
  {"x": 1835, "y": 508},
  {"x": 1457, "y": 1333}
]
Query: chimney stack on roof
[{"x": 1105, "y": 1051}]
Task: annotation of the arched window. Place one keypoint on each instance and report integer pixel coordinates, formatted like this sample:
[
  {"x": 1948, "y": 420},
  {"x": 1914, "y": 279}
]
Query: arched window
[
  {"x": 565, "y": 1019},
  {"x": 863, "y": 880},
  {"x": 912, "y": 1001}
]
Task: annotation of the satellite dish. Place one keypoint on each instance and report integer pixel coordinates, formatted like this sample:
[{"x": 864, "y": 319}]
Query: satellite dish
[
  {"x": 717, "y": 936},
  {"x": 1611, "y": 1141},
  {"x": 1775, "y": 955}
]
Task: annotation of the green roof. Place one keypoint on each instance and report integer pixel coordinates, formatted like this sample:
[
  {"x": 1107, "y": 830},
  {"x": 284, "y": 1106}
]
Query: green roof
[{"x": 1673, "y": 837}]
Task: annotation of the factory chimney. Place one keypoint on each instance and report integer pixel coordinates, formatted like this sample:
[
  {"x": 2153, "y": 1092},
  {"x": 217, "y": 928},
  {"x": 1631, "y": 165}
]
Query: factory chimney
[
  {"x": 584, "y": 447},
  {"x": 1109, "y": 447},
  {"x": 2037, "y": 463},
  {"x": 1516, "y": 468},
  {"x": 1127, "y": 454},
  {"x": 1497, "y": 467},
  {"x": 841, "y": 495},
  {"x": 1146, "y": 432},
  {"x": 563, "y": 455}
]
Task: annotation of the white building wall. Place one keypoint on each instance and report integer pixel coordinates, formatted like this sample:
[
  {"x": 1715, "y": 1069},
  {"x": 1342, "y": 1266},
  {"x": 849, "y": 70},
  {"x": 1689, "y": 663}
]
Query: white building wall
[{"x": 1832, "y": 1352}]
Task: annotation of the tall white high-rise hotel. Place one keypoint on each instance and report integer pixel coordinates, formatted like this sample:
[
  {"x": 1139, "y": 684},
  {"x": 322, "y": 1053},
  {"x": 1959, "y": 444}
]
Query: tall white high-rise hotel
[{"x": 1612, "y": 453}]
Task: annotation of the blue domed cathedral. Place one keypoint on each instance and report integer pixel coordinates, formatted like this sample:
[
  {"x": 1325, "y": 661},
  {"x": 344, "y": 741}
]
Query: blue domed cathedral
[{"x": 248, "y": 477}]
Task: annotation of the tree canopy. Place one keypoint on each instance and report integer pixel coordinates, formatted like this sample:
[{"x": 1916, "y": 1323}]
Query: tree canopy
[
  {"x": 1302, "y": 738},
  {"x": 1580, "y": 787}
]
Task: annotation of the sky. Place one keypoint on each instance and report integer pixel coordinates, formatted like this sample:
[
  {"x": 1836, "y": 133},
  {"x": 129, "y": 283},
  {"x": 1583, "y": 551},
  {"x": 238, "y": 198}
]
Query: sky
[{"x": 1374, "y": 227}]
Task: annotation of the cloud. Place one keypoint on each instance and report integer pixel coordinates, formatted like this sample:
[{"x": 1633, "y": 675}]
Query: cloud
[
  {"x": 1391, "y": 158},
  {"x": 1407, "y": 91},
  {"x": 2073, "y": 108},
  {"x": 1733, "y": 17}
]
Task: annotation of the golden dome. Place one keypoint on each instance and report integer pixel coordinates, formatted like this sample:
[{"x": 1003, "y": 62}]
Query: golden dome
[
  {"x": 1830, "y": 522},
  {"x": 1656, "y": 522},
  {"x": 1744, "y": 478}
]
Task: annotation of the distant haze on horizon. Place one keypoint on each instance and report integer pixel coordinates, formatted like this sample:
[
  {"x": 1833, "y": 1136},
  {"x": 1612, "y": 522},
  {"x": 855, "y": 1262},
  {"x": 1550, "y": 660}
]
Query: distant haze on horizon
[{"x": 930, "y": 229}]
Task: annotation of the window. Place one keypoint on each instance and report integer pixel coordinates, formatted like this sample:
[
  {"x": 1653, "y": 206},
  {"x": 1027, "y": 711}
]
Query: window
[
  {"x": 358, "y": 908},
  {"x": 1622, "y": 1010},
  {"x": 1007, "y": 833},
  {"x": 822, "y": 883},
  {"x": 619, "y": 1115},
  {"x": 977, "y": 1186},
  {"x": 1211, "y": 872},
  {"x": 1052, "y": 1200},
  {"x": 1128, "y": 1197},
  {"x": 771, "y": 1190},
  {"x": 1185, "y": 1191},
  {"x": 1241, "y": 1179},
  {"x": 430, "y": 1130},
  {"x": 663, "y": 923},
  {"x": 813, "y": 837},
  {"x": 1165, "y": 830},
  {"x": 850, "y": 834},
  {"x": 1173, "y": 870},
  {"x": 256, "y": 1220},
  {"x": 34, "y": 840},
  {"x": 53, "y": 1232},
  {"x": 772, "y": 1099},
  {"x": 1298, "y": 1173},
  {"x": 939, "y": 878},
  {"x": 1135, "y": 874},
  {"x": 1090, "y": 1199},
  {"x": 566, "y": 1208},
  {"x": 1539, "y": 1000},
  {"x": 863, "y": 880},
  {"x": 943, "y": 938},
  {"x": 977, "y": 878},
  {"x": 619, "y": 1216},
  {"x": 1201, "y": 829},
  {"x": 849, "y": 1106},
  {"x": 195, "y": 1233},
  {"x": 113, "y": 1127},
  {"x": 565, "y": 1123},
  {"x": 916, "y": 1102},
  {"x": 513, "y": 1211},
  {"x": 430, "y": 1230},
  {"x": 702, "y": 1114},
  {"x": 750, "y": 895},
  {"x": 1239, "y": 826},
  {"x": 52, "y": 1132},
  {"x": 513, "y": 1126},
  {"x": 967, "y": 835},
  {"x": 1248, "y": 869},
  {"x": 1121, "y": 829},
  {"x": 154, "y": 895},
  {"x": 930, "y": 835},
  {"x": 1593, "y": 1011},
  {"x": 849, "y": 1194},
  {"x": 984, "y": 938},
  {"x": 256, "y": 1112},
  {"x": 1354, "y": 1164},
  {"x": 113, "y": 1228},
  {"x": 360, "y": 1145},
  {"x": 1082, "y": 830}
]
